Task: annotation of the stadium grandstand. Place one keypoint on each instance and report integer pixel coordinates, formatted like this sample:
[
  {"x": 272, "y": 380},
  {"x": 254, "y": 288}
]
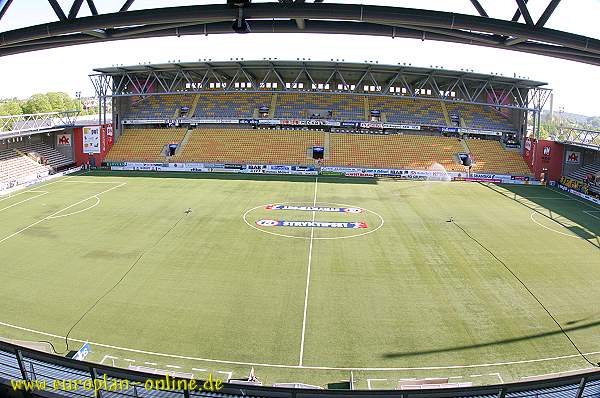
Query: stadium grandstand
[{"x": 363, "y": 115}]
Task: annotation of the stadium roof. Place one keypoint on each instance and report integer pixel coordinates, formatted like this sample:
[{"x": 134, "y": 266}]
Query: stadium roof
[
  {"x": 321, "y": 70},
  {"x": 300, "y": 16},
  {"x": 359, "y": 78}
]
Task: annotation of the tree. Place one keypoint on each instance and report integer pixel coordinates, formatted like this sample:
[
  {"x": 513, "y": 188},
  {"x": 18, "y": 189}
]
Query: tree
[
  {"x": 60, "y": 102},
  {"x": 37, "y": 103},
  {"x": 10, "y": 107}
]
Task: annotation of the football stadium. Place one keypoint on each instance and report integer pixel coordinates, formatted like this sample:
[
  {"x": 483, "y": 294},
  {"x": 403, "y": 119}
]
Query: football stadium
[{"x": 300, "y": 228}]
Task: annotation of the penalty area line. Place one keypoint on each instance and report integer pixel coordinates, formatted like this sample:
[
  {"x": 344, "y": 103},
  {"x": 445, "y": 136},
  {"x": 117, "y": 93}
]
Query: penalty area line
[
  {"x": 591, "y": 213},
  {"x": 310, "y": 249},
  {"x": 58, "y": 212},
  {"x": 268, "y": 365},
  {"x": 41, "y": 193},
  {"x": 5, "y": 196}
]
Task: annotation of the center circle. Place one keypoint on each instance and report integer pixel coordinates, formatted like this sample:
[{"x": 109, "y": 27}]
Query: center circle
[{"x": 268, "y": 218}]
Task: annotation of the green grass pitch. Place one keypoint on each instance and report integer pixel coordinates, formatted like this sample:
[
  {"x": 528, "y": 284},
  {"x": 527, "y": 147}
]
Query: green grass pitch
[{"x": 411, "y": 296}]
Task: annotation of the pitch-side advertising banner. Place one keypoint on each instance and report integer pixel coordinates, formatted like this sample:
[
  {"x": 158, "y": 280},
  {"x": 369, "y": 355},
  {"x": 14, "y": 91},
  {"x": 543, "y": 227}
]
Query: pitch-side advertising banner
[{"x": 327, "y": 170}]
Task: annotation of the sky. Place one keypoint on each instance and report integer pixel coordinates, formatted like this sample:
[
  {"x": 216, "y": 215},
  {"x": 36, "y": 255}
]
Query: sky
[{"x": 576, "y": 86}]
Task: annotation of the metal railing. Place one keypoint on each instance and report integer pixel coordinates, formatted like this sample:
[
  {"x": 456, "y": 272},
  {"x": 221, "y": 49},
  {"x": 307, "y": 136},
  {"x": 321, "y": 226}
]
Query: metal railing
[
  {"x": 15, "y": 125},
  {"x": 23, "y": 364}
]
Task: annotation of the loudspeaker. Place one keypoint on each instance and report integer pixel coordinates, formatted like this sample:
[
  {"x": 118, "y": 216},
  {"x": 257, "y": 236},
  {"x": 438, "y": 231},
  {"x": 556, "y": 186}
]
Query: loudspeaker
[
  {"x": 241, "y": 26},
  {"x": 238, "y": 3},
  {"x": 318, "y": 152},
  {"x": 465, "y": 159}
]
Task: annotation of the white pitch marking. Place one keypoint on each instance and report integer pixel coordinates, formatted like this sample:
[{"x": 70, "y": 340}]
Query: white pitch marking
[
  {"x": 552, "y": 229},
  {"x": 129, "y": 360},
  {"x": 553, "y": 373},
  {"x": 78, "y": 211},
  {"x": 58, "y": 212},
  {"x": 229, "y": 374},
  {"x": 173, "y": 366},
  {"x": 575, "y": 199},
  {"x": 499, "y": 377},
  {"x": 24, "y": 200},
  {"x": 92, "y": 182},
  {"x": 310, "y": 249},
  {"x": 542, "y": 197},
  {"x": 34, "y": 189},
  {"x": 150, "y": 363},
  {"x": 108, "y": 357},
  {"x": 475, "y": 375},
  {"x": 269, "y": 365},
  {"x": 590, "y": 213},
  {"x": 370, "y": 380},
  {"x": 455, "y": 377},
  {"x": 199, "y": 370}
]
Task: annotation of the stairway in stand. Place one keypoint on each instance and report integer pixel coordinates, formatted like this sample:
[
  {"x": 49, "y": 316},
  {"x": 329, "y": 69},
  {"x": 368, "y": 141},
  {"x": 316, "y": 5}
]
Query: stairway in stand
[
  {"x": 183, "y": 142},
  {"x": 446, "y": 115},
  {"x": 327, "y": 145},
  {"x": 367, "y": 110},
  {"x": 273, "y": 106}
]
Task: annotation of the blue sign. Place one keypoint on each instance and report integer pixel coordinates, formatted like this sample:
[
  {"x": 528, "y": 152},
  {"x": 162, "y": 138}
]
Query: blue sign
[{"x": 83, "y": 352}]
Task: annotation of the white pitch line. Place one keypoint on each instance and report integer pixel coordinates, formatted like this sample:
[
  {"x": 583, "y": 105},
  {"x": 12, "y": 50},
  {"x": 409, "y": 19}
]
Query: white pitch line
[
  {"x": 270, "y": 365},
  {"x": 310, "y": 249},
  {"x": 34, "y": 189},
  {"x": 42, "y": 193},
  {"x": 199, "y": 370},
  {"x": 173, "y": 366},
  {"x": 78, "y": 211},
  {"x": 370, "y": 380},
  {"x": 589, "y": 213},
  {"x": 585, "y": 202},
  {"x": 108, "y": 357},
  {"x": 229, "y": 374},
  {"x": 92, "y": 182},
  {"x": 150, "y": 363},
  {"x": 552, "y": 374},
  {"x": 552, "y": 229},
  {"x": 58, "y": 212},
  {"x": 542, "y": 197},
  {"x": 499, "y": 377}
]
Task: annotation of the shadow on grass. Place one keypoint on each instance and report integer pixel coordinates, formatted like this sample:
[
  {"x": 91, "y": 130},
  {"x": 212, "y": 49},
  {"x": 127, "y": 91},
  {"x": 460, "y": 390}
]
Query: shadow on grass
[
  {"x": 571, "y": 328},
  {"x": 230, "y": 176},
  {"x": 558, "y": 206}
]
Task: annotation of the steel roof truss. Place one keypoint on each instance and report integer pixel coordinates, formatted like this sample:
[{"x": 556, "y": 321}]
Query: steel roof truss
[
  {"x": 4, "y": 4},
  {"x": 57, "y": 10}
]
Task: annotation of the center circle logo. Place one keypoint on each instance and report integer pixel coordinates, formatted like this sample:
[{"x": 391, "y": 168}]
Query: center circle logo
[
  {"x": 267, "y": 223},
  {"x": 297, "y": 220}
]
